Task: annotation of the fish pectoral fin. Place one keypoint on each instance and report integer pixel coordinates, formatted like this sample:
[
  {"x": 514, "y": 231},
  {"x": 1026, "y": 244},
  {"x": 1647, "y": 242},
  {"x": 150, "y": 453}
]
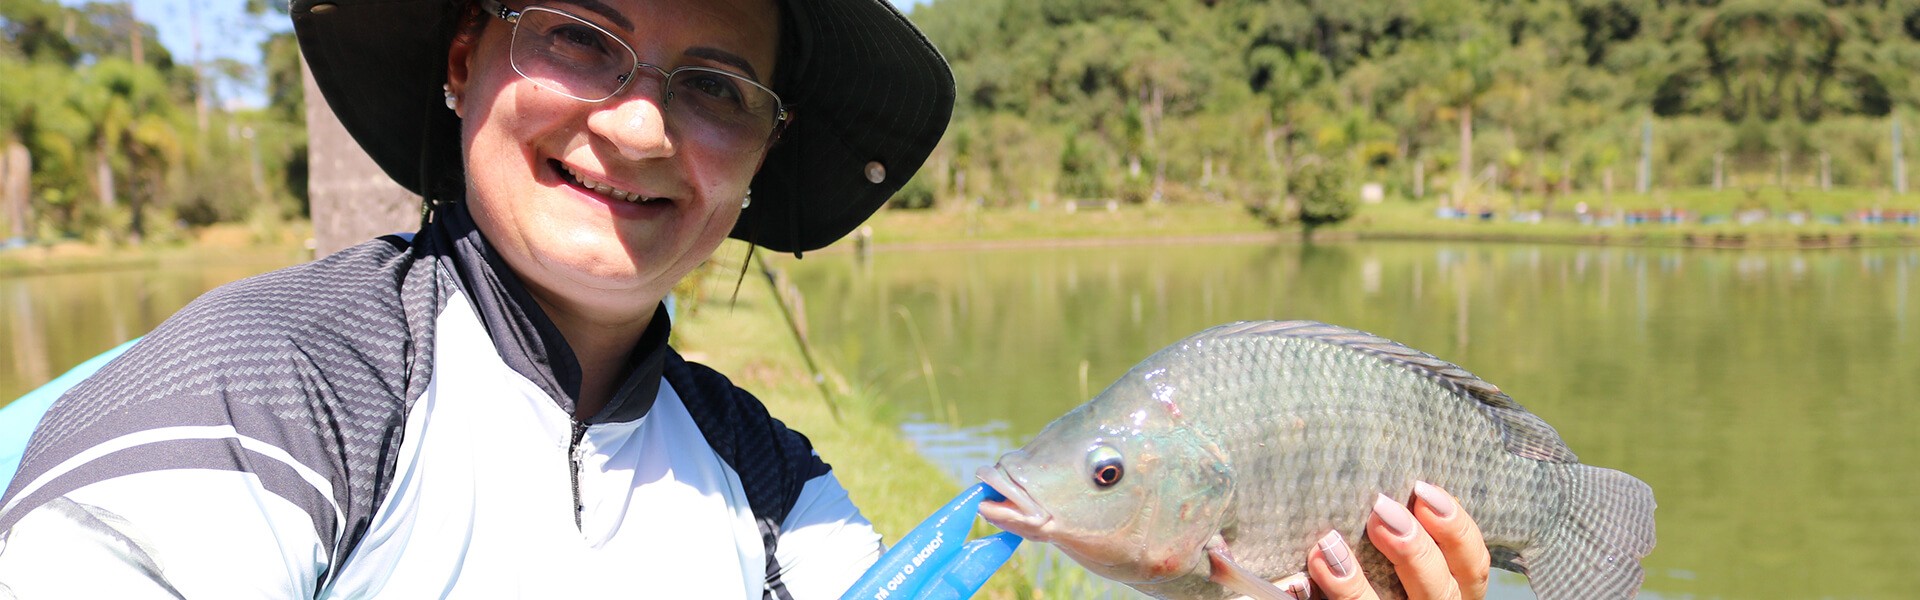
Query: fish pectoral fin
[{"x": 1231, "y": 575}]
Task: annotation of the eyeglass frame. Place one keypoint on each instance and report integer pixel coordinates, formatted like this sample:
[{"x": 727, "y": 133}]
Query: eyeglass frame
[{"x": 499, "y": 9}]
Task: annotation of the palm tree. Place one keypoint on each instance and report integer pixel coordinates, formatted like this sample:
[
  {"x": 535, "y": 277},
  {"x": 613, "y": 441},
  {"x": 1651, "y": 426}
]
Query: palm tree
[
  {"x": 1468, "y": 78},
  {"x": 132, "y": 130}
]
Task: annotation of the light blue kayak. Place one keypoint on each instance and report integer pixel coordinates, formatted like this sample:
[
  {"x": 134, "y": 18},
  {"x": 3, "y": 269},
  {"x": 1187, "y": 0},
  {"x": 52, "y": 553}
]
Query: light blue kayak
[{"x": 17, "y": 419}]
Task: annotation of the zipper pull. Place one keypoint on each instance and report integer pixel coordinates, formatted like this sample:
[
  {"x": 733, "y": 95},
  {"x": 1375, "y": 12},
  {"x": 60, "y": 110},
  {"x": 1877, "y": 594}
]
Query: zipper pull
[{"x": 573, "y": 469}]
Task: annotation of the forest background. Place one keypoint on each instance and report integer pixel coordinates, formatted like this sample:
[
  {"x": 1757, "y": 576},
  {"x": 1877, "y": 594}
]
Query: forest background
[
  {"x": 1470, "y": 104},
  {"x": 108, "y": 137}
]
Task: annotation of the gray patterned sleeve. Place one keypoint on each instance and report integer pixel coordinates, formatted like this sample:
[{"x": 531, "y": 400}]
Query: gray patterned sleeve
[{"x": 256, "y": 427}]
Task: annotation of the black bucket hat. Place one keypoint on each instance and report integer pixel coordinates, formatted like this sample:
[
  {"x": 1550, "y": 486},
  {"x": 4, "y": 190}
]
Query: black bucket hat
[{"x": 871, "y": 97}]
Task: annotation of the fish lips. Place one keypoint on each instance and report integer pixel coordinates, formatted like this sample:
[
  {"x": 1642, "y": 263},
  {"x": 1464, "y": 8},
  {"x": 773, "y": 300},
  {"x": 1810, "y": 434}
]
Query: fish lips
[{"x": 1019, "y": 513}]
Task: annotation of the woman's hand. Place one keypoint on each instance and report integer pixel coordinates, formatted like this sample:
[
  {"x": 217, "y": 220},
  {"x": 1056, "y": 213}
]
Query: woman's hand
[{"x": 1435, "y": 548}]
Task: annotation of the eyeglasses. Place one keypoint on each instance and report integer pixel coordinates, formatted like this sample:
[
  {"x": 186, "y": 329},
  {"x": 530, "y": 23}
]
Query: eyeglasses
[{"x": 578, "y": 59}]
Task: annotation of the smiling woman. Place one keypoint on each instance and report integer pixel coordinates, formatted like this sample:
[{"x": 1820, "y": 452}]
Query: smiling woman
[
  {"x": 596, "y": 204},
  {"x": 490, "y": 406}
]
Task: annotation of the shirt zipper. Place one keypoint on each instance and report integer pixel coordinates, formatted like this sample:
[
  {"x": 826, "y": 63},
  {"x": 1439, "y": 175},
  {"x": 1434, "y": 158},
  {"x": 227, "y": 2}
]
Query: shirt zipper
[{"x": 573, "y": 459}]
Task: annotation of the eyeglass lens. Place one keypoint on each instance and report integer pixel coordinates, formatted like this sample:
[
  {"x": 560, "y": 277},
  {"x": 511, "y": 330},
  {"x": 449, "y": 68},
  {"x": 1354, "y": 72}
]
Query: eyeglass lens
[{"x": 564, "y": 54}]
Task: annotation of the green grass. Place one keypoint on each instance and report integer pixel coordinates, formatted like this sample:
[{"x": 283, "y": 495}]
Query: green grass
[
  {"x": 932, "y": 227},
  {"x": 221, "y": 244},
  {"x": 1404, "y": 219}
]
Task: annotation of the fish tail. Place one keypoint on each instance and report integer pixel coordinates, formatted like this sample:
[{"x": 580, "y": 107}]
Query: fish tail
[{"x": 1595, "y": 547}]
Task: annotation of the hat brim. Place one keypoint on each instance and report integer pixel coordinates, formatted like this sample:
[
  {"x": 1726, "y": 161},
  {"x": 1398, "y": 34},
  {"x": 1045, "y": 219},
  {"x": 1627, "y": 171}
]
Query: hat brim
[{"x": 865, "y": 86}]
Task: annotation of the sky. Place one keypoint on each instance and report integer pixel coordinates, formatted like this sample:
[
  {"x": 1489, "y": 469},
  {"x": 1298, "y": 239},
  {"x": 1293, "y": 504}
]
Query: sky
[{"x": 226, "y": 31}]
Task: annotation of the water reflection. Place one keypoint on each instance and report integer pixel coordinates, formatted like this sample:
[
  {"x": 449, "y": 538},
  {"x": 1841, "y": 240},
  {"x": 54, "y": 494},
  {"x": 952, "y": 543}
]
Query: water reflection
[{"x": 1764, "y": 395}]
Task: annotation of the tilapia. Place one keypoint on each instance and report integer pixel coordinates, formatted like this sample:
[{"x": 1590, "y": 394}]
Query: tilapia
[{"x": 1248, "y": 441}]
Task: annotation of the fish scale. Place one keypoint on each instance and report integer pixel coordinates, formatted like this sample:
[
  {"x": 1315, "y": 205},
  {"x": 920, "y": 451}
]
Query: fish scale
[
  {"x": 1263, "y": 435},
  {"x": 1351, "y": 451}
]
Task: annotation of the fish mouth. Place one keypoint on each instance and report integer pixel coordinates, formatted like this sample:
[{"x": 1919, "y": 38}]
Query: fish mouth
[{"x": 1019, "y": 513}]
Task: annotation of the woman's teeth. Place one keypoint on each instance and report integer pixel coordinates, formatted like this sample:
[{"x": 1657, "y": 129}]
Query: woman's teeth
[{"x": 615, "y": 193}]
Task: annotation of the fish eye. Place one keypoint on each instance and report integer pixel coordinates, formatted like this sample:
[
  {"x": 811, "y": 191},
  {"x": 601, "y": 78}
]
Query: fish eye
[{"x": 1105, "y": 465}]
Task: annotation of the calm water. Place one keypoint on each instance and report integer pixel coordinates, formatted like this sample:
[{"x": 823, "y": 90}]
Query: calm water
[
  {"x": 52, "y": 322},
  {"x": 1766, "y": 396}
]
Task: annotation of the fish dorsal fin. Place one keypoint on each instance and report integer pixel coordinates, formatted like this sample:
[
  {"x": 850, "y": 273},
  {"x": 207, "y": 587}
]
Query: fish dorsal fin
[{"x": 1524, "y": 433}]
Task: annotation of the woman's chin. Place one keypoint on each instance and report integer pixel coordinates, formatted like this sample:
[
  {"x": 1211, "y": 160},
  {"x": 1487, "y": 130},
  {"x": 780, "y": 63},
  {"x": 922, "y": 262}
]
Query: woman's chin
[{"x": 585, "y": 277}]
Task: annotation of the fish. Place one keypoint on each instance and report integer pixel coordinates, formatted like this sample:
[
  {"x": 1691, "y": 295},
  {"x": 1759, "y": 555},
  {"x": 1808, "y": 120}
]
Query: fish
[{"x": 1211, "y": 468}]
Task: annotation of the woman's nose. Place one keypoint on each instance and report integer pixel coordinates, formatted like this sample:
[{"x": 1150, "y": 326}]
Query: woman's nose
[{"x": 635, "y": 122}]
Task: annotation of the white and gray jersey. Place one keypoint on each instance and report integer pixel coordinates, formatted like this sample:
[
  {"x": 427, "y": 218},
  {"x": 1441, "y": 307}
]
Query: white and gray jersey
[{"x": 396, "y": 421}]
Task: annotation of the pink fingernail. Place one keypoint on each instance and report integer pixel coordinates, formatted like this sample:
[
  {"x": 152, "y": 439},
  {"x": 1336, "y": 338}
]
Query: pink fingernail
[
  {"x": 1437, "y": 500},
  {"x": 1339, "y": 558},
  {"x": 1399, "y": 522}
]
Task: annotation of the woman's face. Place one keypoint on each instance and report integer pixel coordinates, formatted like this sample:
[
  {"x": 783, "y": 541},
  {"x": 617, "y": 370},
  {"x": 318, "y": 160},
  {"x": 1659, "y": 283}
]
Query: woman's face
[{"x": 538, "y": 162}]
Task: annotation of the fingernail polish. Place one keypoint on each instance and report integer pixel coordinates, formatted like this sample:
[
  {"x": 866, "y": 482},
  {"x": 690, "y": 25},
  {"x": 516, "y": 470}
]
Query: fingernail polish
[
  {"x": 1437, "y": 500},
  {"x": 1339, "y": 557},
  {"x": 1399, "y": 522}
]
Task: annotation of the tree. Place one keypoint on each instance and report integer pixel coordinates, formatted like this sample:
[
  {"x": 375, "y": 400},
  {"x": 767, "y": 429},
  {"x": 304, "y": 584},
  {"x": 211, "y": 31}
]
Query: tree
[
  {"x": 1226, "y": 96},
  {"x": 1284, "y": 82},
  {"x": 100, "y": 119},
  {"x": 1325, "y": 198},
  {"x": 133, "y": 131},
  {"x": 1468, "y": 77}
]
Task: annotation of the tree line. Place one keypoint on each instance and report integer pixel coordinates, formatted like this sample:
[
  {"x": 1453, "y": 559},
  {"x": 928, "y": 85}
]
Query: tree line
[
  {"x": 1456, "y": 101},
  {"x": 105, "y": 135}
]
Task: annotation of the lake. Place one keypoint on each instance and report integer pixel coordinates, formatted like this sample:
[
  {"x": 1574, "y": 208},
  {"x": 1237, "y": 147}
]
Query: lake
[{"x": 1766, "y": 396}]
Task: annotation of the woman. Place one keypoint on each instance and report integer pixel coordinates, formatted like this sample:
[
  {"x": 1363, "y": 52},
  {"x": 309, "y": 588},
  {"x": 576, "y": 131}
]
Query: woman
[{"x": 489, "y": 408}]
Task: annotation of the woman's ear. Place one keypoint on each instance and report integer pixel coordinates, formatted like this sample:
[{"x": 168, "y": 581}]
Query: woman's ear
[{"x": 459, "y": 64}]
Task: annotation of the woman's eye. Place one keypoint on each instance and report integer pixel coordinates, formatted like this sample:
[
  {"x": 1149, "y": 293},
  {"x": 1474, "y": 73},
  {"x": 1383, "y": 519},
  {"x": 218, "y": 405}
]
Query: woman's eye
[
  {"x": 577, "y": 44},
  {"x": 717, "y": 87},
  {"x": 578, "y": 37}
]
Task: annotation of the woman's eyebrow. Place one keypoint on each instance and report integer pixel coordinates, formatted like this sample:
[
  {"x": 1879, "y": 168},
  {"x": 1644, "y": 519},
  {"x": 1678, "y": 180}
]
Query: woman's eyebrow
[
  {"x": 604, "y": 11},
  {"x": 722, "y": 56}
]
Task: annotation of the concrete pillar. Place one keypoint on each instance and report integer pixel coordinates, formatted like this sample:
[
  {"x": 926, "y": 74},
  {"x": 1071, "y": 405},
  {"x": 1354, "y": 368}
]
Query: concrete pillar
[{"x": 352, "y": 200}]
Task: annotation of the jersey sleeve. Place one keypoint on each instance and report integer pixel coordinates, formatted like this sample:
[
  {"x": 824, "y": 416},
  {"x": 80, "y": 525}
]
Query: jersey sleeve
[
  {"x": 132, "y": 490},
  {"x": 235, "y": 451},
  {"x": 825, "y": 543},
  {"x": 188, "y": 533}
]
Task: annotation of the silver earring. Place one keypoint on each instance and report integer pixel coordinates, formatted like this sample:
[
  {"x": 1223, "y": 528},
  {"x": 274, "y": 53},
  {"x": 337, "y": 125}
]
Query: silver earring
[
  {"x": 452, "y": 99},
  {"x": 748, "y": 201}
]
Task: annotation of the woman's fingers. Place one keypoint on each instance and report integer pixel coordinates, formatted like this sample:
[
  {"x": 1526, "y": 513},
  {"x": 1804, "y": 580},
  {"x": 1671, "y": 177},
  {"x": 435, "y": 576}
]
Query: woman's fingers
[
  {"x": 1436, "y": 549},
  {"x": 1457, "y": 536},
  {"x": 1416, "y": 558},
  {"x": 1296, "y": 586},
  {"x": 1334, "y": 568}
]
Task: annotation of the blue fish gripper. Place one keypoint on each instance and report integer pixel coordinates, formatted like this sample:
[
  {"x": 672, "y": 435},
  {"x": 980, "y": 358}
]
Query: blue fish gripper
[{"x": 935, "y": 561}]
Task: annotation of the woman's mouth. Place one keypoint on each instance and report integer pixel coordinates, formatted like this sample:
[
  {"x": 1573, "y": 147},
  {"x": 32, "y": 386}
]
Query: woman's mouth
[{"x": 568, "y": 175}]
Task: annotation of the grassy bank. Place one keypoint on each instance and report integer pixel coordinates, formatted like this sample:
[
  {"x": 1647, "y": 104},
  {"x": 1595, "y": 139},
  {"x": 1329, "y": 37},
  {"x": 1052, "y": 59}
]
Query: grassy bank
[
  {"x": 1774, "y": 219},
  {"x": 226, "y": 243},
  {"x": 749, "y": 341}
]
